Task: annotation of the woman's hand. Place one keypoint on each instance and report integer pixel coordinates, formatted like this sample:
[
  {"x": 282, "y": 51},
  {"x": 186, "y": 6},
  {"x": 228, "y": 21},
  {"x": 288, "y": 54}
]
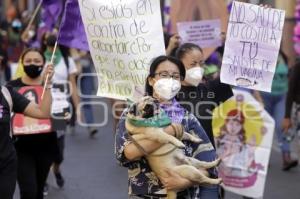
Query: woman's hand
[
  {"x": 265, "y": 6},
  {"x": 173, "y": 43},
  {"x": 286, "y": 124},
  {"x": 49, "y": 72},
  {"x": 173, "y": 181}
]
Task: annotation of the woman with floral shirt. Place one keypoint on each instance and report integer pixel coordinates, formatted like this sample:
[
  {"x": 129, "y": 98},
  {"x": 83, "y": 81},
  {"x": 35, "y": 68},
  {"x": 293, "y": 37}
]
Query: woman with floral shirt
[{"x": 163, "y": 83}]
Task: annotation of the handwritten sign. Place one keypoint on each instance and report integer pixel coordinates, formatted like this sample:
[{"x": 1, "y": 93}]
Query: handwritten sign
[
  {"x": 206, "y": 33},
  {"x": 123, "y": 36},
  {"x": 252, "y": 45},
  {"x": 243, "y": 133},
  {"x": 22, "y": 125}
]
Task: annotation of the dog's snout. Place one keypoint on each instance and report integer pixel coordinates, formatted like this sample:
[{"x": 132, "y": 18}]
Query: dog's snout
[{"x": 148, "y": 111}]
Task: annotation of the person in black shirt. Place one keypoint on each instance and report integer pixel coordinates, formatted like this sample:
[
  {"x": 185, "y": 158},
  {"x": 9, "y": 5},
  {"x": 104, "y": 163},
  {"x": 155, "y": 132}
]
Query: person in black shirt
[
  {"x": 197, "y": 95},
  {"x": 11, "y": 101},
  {"x": 293, "y": 97},
  {"x": 35, "y": 152}
]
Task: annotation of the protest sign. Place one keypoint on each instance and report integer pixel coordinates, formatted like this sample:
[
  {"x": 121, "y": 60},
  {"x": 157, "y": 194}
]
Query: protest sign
[
  {"x": 22, "y": 125},
  {"x": 123, "y": 37},
  {"x": 252, "y": 45},
  {"x": 243, "y": 132},
  {"x": 206, "y": 33}
]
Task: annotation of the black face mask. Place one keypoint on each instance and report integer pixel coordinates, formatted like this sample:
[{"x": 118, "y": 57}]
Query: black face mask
[
  {"x": 51, "y": 40},
  {"x": 33, "y": 71}
]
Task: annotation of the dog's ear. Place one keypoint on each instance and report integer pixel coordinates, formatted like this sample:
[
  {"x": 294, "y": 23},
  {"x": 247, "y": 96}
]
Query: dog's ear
[
  {"x": 133, "y": 110},
  {"x": 148, "y": 111}
]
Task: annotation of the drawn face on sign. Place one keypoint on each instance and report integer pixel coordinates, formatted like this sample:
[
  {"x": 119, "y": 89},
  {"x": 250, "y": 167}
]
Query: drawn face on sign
[
  {"x": 31, "y": 95},
  {"x": 233, "y": 127},
  {"x": 248, "y": 124}
]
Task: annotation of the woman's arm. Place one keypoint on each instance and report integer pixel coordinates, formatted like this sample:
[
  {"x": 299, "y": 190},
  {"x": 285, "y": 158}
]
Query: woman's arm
[
  {"x": 290, "y": 98},
  {"x": 74, "y": 90},
  {"x": 205, "y": 150},
  {"x": 173, "y": 43},
  {"x": 43, "y": 111}
]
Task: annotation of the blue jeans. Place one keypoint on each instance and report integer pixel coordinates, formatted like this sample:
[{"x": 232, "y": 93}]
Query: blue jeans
[
  {"x": 87, "y": 88},
  {"x": 209, "y": 192},
  {"x": 275, "y": 106}
]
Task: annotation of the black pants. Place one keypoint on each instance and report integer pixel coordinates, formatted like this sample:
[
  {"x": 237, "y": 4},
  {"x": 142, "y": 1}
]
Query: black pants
[
  {"x": 33, "y": 170},
  {"x": 8, "y": 179},
  {"x": 59, "y": 157}
]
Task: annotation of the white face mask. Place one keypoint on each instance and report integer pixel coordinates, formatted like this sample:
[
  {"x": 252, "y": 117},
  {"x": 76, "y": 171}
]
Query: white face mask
[
  {"x": 194, "y": 75},
  {"x": 166, "y": 88}
]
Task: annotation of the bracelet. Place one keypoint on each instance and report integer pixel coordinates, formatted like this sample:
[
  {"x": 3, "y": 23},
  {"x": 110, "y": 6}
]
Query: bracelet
[{"x": 49, "y": 86}]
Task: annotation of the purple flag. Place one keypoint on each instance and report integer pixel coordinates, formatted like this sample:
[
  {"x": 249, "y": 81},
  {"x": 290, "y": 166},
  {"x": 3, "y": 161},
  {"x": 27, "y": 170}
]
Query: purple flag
[
  {"x": 51, "y": 10},
  {"x": 72, "y": 33}
]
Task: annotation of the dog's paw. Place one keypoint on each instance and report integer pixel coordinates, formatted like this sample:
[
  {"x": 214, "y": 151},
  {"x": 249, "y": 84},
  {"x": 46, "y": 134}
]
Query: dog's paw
[
  {"x": 179, "y": 144},
  {"x": 197, "y": 140},
  {"x": 218, "y": 161},
  {"x": 219, "y": 181}
]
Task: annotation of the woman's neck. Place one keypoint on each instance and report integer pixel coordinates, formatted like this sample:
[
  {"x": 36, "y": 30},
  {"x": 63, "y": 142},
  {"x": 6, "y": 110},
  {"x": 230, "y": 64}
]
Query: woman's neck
[
  {"x": 29, "y": 81},
  {"x": 184, "y": 83}
]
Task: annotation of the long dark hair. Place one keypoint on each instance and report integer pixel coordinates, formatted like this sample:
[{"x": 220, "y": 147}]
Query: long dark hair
[
  {"x": 185, "y": 48},
  {"x": 153, "y": 67},
  {"x": 65, "y": 51}
]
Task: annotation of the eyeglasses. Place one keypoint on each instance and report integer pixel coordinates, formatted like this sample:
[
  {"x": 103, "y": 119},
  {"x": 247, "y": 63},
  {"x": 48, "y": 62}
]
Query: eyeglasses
[{"x": 165, "y": 74}]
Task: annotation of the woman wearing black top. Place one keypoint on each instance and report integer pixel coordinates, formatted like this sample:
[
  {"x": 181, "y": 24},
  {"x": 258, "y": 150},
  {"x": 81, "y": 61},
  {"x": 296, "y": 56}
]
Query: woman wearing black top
[
  {"x": 11, "y": 101},
  {"x": 35, "y": 152},
  {"x": 196, "y": 95},
  {"x": 293, "y": 96}
]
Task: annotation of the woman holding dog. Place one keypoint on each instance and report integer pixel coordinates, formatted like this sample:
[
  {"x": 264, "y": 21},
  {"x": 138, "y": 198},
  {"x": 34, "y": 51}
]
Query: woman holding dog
[{"x": 163, "y": 84}]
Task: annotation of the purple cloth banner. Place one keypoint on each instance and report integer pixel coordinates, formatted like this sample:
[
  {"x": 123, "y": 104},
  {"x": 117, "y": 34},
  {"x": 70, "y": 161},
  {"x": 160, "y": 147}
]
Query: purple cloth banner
[
  {"x": 51, "y": 10},
  {"x": 72, "y": 33}
]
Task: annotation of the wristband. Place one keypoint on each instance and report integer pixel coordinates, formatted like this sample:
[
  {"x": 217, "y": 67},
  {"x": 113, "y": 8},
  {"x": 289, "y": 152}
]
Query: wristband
[{"x": 49, "y": 86}]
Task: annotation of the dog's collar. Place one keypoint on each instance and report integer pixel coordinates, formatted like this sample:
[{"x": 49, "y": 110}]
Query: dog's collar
[{"x": 160, "y": 120}]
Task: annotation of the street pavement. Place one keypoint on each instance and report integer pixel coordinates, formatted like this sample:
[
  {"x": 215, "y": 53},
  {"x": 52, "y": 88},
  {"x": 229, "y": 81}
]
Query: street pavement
[{"x": 91, "y": 171}]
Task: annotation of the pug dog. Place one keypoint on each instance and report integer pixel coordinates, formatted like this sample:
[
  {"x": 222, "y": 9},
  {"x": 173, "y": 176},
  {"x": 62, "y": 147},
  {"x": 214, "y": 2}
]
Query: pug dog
[{"x": 170, "y": 155}]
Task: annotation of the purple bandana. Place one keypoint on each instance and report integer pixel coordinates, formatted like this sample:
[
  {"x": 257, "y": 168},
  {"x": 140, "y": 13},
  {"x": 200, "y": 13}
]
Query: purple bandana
[{"x": 174, "y": 111}]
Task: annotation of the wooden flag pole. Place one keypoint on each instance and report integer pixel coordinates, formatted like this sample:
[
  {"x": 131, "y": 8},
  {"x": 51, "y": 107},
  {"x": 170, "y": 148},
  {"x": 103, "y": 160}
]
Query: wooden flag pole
[
  {"x": 47, "y": 77},
  {"x": 34, "y": 15}
]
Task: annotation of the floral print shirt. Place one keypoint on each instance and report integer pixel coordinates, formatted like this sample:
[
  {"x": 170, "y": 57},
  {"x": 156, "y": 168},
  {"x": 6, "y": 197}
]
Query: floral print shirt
[{"x": 141, "y": 179}]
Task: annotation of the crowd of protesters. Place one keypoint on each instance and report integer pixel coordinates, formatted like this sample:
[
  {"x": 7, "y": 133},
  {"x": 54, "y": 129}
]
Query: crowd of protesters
[
  {"x": 25, "y": 60},
  {"x": 24, "y": 54}
]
